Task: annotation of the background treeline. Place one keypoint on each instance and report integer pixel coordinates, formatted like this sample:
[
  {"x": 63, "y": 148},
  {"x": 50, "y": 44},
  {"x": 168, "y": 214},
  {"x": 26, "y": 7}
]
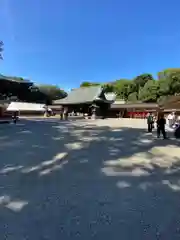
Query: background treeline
[{"x": 144, "y": 87}]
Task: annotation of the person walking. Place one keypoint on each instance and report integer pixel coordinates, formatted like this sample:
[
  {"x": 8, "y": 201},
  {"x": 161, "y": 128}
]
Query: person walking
[
  {"x": 161, "y": 122},
  {"x": 150, "y": 122}
]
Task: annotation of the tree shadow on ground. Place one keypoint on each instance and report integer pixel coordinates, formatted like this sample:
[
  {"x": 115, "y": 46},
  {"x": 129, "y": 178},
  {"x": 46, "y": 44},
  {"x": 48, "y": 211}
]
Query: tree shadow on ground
[{"x": 81, "y": 181}]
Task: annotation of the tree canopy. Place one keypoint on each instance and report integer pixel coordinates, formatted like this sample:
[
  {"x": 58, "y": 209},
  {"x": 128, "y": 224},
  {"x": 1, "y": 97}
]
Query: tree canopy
[
  {"x": 145, "y": 87},
  {"x": 52, "y": 92}
]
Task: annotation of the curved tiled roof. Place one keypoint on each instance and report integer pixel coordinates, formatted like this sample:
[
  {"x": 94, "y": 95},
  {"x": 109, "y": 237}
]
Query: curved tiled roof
[
  {"x": 81, "y": 95},
  {"x": 16, "y": 80}
]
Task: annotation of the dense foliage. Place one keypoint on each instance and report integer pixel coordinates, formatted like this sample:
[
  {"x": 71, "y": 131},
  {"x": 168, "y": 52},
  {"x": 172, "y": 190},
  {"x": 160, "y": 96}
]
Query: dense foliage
[{"x": 144, "y": 87}]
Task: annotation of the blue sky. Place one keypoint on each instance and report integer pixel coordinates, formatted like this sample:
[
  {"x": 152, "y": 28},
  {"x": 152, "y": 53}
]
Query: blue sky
[{"x": 66, "y": 42}]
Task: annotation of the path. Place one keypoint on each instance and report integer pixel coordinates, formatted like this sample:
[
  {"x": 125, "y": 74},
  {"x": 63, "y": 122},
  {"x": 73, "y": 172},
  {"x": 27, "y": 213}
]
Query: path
[{"x": 87, "y": 180}]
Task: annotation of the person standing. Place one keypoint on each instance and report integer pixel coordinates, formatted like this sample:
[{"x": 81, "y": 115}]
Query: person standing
[
  {"x": 171, "y": 119},
  {"x": 61, "y": 113},
  {"x": 174, "y": 117},
  {"x": 161, "y": 122},
  {"x": 66, "y": 113},
  {"x": 150, "y": 122},
  {"x": 15, "y": 117}
]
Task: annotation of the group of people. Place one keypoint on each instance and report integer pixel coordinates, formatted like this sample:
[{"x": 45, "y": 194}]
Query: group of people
[
  {"x": 160, "y": 121},
  {"x": 172, "y": 121}
]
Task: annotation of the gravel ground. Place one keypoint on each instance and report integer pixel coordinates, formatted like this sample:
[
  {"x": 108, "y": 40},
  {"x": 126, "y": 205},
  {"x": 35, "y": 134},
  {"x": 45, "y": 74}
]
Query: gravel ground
[{"x": 101, "y": 179}]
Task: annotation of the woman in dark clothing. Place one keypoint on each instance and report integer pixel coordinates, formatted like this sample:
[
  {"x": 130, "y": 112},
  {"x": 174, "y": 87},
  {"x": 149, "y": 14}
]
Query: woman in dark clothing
[
  {"x": 161, "y": 122},
  {"x": 15, "y": 116}
]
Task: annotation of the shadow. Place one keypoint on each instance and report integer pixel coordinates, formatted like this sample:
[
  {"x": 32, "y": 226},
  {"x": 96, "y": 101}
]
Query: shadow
[{"x": 87, "y": 179}]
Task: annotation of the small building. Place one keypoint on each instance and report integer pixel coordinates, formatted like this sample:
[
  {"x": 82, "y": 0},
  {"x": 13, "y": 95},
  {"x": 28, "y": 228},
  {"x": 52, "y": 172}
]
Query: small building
[
  {"x": 25, "y": 108},
  {"x": 138, "y": 110},
  {"x": 11, "y": 88}
]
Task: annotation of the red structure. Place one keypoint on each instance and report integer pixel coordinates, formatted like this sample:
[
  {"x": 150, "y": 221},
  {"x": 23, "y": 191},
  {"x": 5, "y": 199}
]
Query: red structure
[{"x": 137, "y": 114}]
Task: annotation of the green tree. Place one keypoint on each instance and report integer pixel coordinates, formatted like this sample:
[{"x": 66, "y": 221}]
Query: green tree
[
  {"x": 164, "y": 86},
  {"x": 89, "y": 84},
  {"x": 165, "y": 74},
  {"x": 132, "y": 88},
  {"x": 150, "y": 92},
  {"x": 108, "y": 88},
  {"x": 141, "y": 80},
  {"x": 132, "y": 97},
  {"x": 169, "y": 82},
  {"x": 53, "y": 92},
  {"x": 122, "y": 88},
  {"x": 175, "y": 83}
]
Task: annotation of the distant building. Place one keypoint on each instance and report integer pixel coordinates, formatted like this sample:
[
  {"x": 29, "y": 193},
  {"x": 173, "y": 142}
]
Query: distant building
[
  {"x": 11, "y": 88},
  {"x": 24, "y": 107}
]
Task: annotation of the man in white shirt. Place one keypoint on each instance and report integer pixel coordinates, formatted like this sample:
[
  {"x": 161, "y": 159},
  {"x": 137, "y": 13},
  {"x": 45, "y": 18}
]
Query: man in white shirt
[{"x": 171, "y": 119}]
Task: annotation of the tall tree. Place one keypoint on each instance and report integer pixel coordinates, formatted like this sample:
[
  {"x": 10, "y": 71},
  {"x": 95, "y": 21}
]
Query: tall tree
[
  {"x": 53, "y": 92},
  {"x": 149, "y": 93},
  {"x": 122, "y": 88},
  {"x": 141, "y": 80},
  {"x": 169, "y": 82},
  {"x": 163, "y": 75},
  {"x": 132, "y": 97}
]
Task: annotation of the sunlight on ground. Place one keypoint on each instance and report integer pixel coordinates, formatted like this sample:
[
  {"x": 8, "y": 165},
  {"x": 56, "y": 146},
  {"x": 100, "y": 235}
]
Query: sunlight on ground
[
  {"x": 145, "y": 185},
  {"x": 141, "y": 164},
  {"x": 51, "y": 165},
  {"x": 74, "y": 146},
  {"x": 25, "y": 132},
  {"x": 14, "y": 205},
  {"x": 8, "y": 169},
  {"x": 130, "y": 154},
  {"x": 146, "y": 141},
  {"x": 173, "y": 186}
]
